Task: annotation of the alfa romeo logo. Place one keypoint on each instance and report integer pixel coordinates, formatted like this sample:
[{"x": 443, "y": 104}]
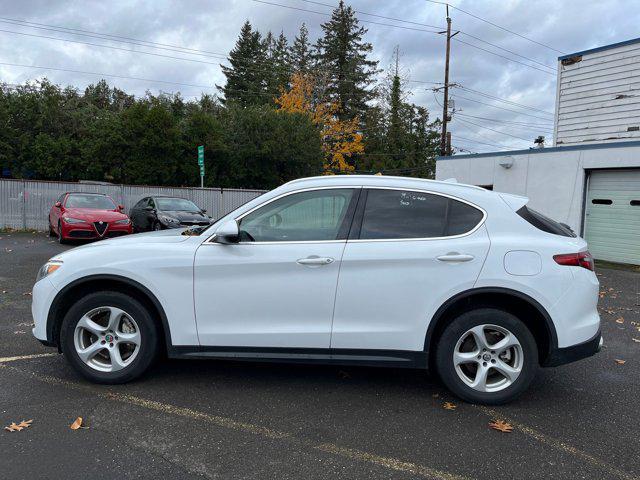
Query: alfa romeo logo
[{"x": 108, "y": 337}]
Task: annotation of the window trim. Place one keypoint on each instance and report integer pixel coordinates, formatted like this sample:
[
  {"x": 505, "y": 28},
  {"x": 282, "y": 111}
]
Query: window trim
[
  {"x": 357, "y": 188},
  {"x": 419, "y": 239}
]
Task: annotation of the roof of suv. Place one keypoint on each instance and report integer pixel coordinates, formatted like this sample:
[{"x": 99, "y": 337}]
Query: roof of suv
[{"x": 384, "y": 179}]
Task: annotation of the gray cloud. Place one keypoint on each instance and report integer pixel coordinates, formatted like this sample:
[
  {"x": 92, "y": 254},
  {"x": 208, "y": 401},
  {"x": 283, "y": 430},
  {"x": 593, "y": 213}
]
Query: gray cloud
[{"x": 213, "y": 26}]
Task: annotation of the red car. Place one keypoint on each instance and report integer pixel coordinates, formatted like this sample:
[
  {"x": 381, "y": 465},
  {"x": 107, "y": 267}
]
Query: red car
[{"x": 79, "y": 216}]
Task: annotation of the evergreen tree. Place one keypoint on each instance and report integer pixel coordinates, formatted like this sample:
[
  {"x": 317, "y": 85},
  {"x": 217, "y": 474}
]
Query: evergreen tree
[
  {"x": 342, "y": 53},
  {"x": 247, "y": 77},
  {"x": 279, "y": 65},
  {"x": 301, "y": 57}
]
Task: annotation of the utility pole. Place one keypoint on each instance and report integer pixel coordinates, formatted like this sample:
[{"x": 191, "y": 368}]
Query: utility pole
[{"x": 445, "y": 108}]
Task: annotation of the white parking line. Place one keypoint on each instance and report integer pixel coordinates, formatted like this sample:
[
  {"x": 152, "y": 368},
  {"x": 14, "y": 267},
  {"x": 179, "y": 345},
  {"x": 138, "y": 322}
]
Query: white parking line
[
  {"x": 26, "y": 357},
  {"x": 330, "y": 448},
  {"x": 560, "y": 445}
]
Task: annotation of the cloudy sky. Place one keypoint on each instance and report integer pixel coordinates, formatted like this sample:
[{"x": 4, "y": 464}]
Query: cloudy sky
[{"x": 506, "y": 90}]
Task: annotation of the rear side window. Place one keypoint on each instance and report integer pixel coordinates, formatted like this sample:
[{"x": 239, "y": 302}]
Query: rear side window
[
  {"x": 544, "y": 223},
  {"x": 394, "y": 214}
]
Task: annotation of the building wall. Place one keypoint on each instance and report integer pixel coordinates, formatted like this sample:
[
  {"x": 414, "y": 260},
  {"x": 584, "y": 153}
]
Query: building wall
[
  {"x": 552, "y": 179},
  {"x": 598, "y": 95}
]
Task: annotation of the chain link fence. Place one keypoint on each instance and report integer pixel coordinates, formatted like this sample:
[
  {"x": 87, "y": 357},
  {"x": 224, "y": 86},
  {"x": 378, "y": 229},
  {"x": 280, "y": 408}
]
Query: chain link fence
[{"x": 25, "y": 204}]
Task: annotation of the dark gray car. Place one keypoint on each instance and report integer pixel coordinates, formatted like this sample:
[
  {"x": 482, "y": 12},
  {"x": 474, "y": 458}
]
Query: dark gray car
[{"x": 160, "y": 212}]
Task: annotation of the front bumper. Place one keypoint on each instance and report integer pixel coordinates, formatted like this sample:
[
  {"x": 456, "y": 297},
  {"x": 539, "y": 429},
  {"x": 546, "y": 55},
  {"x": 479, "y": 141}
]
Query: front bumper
[
  {"x": 42, "y": 296},
  {"x": 561, "y": 356},
  {"x": 89, "y": 231}
]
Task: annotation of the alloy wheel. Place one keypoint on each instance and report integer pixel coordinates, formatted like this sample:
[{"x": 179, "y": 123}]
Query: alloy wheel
[
  {"x": 488, "y": 358},
  {"x": 107, "y": 339}
]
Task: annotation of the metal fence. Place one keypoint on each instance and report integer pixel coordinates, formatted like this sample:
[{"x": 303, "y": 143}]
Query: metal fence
[{"x": 25, "y": 204}]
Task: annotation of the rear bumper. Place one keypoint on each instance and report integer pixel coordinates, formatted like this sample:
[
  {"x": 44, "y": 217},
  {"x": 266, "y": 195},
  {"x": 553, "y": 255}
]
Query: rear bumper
[{"x": 561, "y": 356}]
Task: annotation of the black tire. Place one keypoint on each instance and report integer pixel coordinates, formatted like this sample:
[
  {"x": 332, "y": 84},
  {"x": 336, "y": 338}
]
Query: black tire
[
  {"x": 149, "y": 344},
  {"x": 61, "y": 239},
  {"x": 51, "y": 232},
  {"x": 457, "y": 328}
]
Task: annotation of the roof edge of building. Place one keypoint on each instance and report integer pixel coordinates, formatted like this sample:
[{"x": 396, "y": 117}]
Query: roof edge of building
[
  {"x": 602, "y": 48},
  {"x": 567, "y": 148}
]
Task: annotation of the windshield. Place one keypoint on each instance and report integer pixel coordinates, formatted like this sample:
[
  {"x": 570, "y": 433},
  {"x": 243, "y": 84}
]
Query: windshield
[
  {"x": 101, "y": 202},
  {"x": 176, "y": 205}
]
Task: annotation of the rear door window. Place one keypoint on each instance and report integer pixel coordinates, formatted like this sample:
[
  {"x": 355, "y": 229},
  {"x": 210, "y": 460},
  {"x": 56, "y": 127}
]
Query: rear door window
[{"x": 400, "y": 214}]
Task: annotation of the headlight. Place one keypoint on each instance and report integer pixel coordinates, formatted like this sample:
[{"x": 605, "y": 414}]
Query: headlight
[
  {"x": 48, "y": 268},
  {"x": 124, "y": 221},
  {"x": 73, "y": 220},
  {"x": 166, "y": 219}
]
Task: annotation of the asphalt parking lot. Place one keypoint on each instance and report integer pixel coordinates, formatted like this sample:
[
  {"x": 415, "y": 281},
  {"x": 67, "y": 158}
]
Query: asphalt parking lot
[{"x": 223, "y": 420}]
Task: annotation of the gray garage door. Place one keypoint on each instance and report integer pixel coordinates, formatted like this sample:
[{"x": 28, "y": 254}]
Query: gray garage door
[{"x": 612, "y": 225}]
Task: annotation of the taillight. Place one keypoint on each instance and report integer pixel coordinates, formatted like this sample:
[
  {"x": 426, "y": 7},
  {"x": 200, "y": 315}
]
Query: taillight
[{"x": 581, "y": 259}]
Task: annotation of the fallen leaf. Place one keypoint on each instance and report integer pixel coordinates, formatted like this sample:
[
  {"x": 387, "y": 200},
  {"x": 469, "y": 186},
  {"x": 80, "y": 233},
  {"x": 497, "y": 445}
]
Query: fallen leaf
[
  {"x": 501, "y": 426},
  {"x": 620, "y": 362},
  {"x": 16, "y": 427},
  {"x": 77, "y": 424},
  {"x": 620, "y": 320},
  {"x": 449, "y": 406}
]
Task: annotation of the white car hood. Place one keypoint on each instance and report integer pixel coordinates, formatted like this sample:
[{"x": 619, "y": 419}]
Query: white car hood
[{"x": 162, "y": 236}]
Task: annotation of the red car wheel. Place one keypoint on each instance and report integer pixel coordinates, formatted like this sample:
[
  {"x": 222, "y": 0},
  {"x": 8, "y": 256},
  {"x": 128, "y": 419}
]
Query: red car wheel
[{"x": 61, "y": 239}]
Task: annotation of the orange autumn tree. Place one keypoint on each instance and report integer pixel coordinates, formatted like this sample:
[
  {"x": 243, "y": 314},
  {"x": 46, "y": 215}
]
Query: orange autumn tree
[{"x": 340, "y": 138}]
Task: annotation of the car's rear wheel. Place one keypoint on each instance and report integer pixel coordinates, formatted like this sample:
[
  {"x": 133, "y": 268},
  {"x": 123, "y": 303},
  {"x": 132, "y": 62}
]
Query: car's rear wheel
[
  {"x": 487, "y": 356},
  {"x": 109, "y": 337},
  {"x": 51, "y": 232}
]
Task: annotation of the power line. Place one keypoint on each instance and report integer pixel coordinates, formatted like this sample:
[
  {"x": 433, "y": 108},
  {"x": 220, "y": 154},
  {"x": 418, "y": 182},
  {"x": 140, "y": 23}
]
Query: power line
[
  {"x": 493, "y": 130},
  {"x": 502, "y": 147},
  {"x": 41, "y": 67},
  {"x": 509, "y": 122},
  {"x": 504, "y": 100},
  {"x": 110, "y": 37},
  {"x": 254, "y": 68},
  {"x": 497, "y": 26},
  {"x": 408, "y": 28},
  {"x": 500, "y": 108},
  {"x": 109, "y": 46},
  {"x": 438, "y": 27}
]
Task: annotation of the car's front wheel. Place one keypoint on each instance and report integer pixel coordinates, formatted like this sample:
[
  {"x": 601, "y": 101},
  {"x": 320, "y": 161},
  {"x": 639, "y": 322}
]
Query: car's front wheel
[
  {"x": 109, "y": 337},
  {"x": 487, "y": 356},
  {"x": 61, "y": 239}
]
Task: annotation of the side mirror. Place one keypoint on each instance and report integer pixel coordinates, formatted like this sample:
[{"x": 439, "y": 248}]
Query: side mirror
[
  {"x": 204, "y": 210},
  {"x": 228, "y": 232},
  {"x": 121, "y": 207},
  {"x": 58, "y": 205}
]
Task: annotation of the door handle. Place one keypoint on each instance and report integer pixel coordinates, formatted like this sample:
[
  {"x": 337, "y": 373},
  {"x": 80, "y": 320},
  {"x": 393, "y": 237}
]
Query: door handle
[
  {"x": 454, "y": 257},
  {"x": 314, "y": 260}
]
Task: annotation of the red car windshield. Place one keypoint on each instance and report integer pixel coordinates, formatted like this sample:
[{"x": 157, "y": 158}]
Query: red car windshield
[{"x": 99, "y": 202}]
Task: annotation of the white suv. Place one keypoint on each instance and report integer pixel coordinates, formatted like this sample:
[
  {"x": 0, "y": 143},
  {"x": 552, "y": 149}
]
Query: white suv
[{"x": 355, "y": 270}]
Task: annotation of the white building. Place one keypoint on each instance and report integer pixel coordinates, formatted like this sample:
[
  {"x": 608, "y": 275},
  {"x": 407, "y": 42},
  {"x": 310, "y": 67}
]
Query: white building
[{"x": 590, "y": 179}]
